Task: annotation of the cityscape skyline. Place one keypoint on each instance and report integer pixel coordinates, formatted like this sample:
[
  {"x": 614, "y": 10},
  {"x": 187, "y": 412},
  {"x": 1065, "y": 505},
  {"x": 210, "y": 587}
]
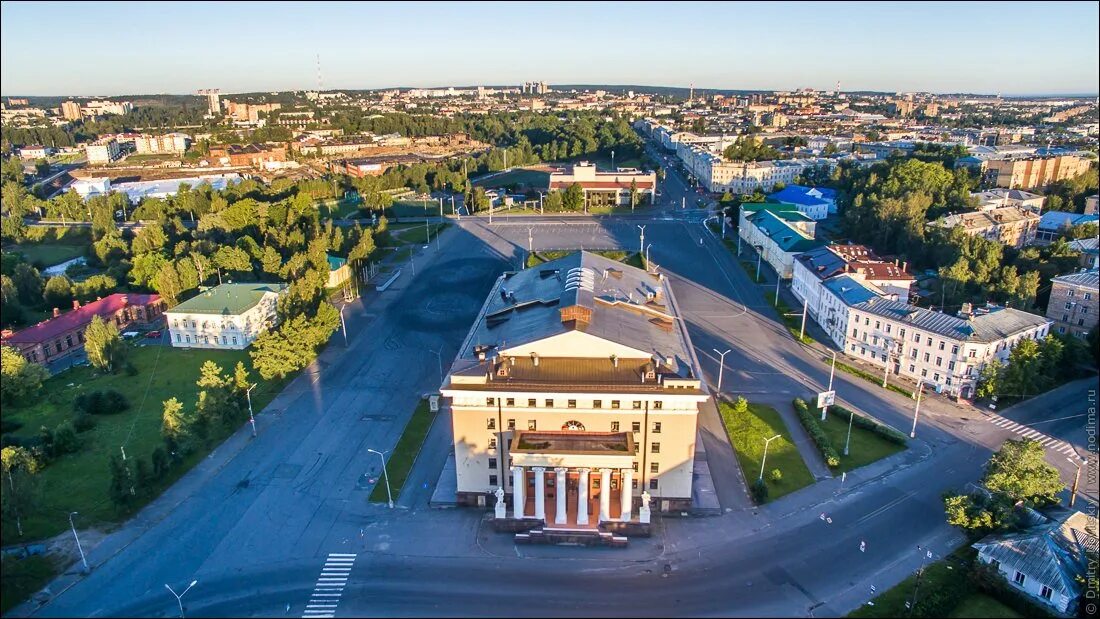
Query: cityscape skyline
[{"x": 758, "y": 58}]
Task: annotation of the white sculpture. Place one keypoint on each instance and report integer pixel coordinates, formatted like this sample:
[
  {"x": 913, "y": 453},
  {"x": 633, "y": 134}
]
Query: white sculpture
[
  {"x": 644, "y": 513},
  {"x": 500, "y": 508}
]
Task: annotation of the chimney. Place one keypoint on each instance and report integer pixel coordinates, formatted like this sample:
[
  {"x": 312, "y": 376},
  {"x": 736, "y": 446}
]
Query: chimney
[
  {"x": 56, "y": 312},
  {"x": 76, "y": 304},
  {"x": 615, "y": 360},
  {"x": 904, "y": 265},
  {"x": 535, "y": 359}
]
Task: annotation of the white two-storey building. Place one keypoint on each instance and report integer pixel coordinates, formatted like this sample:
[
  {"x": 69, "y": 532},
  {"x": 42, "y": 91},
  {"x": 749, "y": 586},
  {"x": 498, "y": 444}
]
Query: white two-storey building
[{"x": 228, "y": 316}]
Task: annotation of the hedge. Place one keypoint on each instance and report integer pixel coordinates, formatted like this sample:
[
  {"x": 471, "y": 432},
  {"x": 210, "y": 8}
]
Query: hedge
[
  {"x": 813, "y": 428},
  {"x": 883, "y": 431}
]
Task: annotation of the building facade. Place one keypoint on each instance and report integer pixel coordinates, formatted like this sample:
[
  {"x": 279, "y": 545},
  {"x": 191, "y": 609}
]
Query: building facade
[
  {"x": 1033, "y": 171},
  {"x": 63, "y": 335},
  {"x": 70, "y": 110},
  {"x": 102, "y": 151},
  {"x": 1073, "y": 306},
  {"x": 815, "y": 203},
  {"x": 229, "y": 316},
  {"x": 1012, "y": 225},
  {"x": 170, "y": 143},
  {"x": 575, "y": 391},
  {"x": 610, "y": 188},
  {"x": 778, "y": 232},
  {"x": 248, "y": 155}
]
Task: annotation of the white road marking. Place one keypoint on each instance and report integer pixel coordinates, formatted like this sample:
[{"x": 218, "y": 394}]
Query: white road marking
[
  {"x": 330, "y": 586},
  {"x": 1047, "y": 441}
]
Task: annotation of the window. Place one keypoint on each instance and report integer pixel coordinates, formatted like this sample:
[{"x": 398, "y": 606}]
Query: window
[
  {"x": 855, "y": 332},
  {"x": 510, "y": 402},
  {"x": 597, "y": 403},
  {"x": 614, "y": 426},
  {"x": 912, "y": 368},
  {"x": 653, "y": 484},
  {"x": 492, "y": 480},
  {"x": 655, "y": 448},
  {"x": 637, "y": 404},
  {"x": 490, "y": 401},
  {"x": 492, "y": 443},
  {"x": 178, "y": 338},
  {"x": 927, "y": 357},
  {"x": 1046, "y": 592},
  {"x": 654, "y": 468},
  {"x": 549, "y": 403},
  {"x": 939, "y": 361},
  {"x": 924, "y": 373},
  {"x": 916, "y": 338},
  {"x": 878, "y": 324},
  {"x": 635, "y": 463},
  {"x": 656, "y": 427},
  {"x": 635, "y": 426},
  {"x": 1088, "y": 296},
  {"x": 572, "y": 403},
  {"x": 532, "y": 424},
  {"x": 973, "y": 353},
  {"x": 492, "y": 463},
  {"x": 995, "y": 563},
  {"x": 511, "y": 424},
  {"x": 955, "y": 349},
  {"x": 234, "y": 340},
  {"x": 532, "y": 403},
  {"x": 913, "y": 354},
  {"x": 1069, "y": 305},
  {"x": 901, "y": 333},
  {"x": 614, "y": 404},
  {"x": 634, "y": 481},
  {"x": 1019, "y": 578},
  {"x": 941, "y": 344},
  {"x": 951, "y": 365},
  {"x": 928, "y": 342},
  {"x": 658, "y": 405},
  {"x": 490, "y": 423},
  {"x": 225, "y": 340}
]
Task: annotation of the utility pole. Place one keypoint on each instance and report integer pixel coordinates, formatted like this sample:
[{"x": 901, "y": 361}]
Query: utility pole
[
  {"x": 440, "y": 208},
  {"x": 759, "y": 255},
  {"x": 832, "y": 371},
  {"x": 802, "y": 333},
  {"x": 847, "y": 441},
  {"x": 767, "y": 442},
  {"x": 84, "y": 561},
  {"x": 916, "y": 412},
  {"x": 530, "y": 246},
  {"x": 721, "y": 366},
  {"x": 343, "y": 326},
  {"x": 453, "y": 211},
  {"x": 647, "y": 256},
  {"x": 251, "y": 417},
  {"x": 886, "y": 369},
  {"x": 1076, "y": 480},
  {"x": 778, "y": 278}
]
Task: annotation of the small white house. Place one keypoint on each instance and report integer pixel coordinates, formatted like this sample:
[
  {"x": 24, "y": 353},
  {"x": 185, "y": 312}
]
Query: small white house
[{"x": 229, "y": 316}]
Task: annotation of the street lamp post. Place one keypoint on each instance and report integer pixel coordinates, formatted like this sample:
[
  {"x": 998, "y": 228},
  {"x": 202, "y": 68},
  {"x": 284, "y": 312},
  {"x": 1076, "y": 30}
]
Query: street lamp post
[
  {"x": 641, "y": 240},
  {"x": 848, "y": 441},
  {"x": 83, "y": 560},
  {"x": 343, "y": 326},
  {"x": 1076, "y": 480},
  {"x": 613, "y": 168},
  {"x": 916, "y": 411},
  {"x": 759, "y": 254},
  {"x": 767, "y": 442},
  {"x": 530, "y": 245},
  {"x": 385, "y": 475},
  {"x": 542, "y": 211},
  {"x": 179, "y": 596},
  {"x": 252, "y": 418},
  {"x": 832, "y": 371},
  {"x": 721, "y": 366},
  {"x": 647, "y": 256}
]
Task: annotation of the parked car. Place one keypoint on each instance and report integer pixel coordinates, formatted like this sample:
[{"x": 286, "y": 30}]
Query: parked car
[{"x": 152, "y": 334}]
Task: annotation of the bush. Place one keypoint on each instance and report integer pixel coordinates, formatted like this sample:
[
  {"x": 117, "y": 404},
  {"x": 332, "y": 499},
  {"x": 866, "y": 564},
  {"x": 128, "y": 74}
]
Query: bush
[
  {"x": 83, "y": 422},
  {"x": 161, "y": 462},
  {"x": 760, "y": 491},
  {"x": 106, "y": 402},
  {"x": 130, "y": 369},
  {"x": 883, "y": 431},
  {"x": 65, "y": 440},
  {"x": 9, "y": 425},
  {"x": 777, "y": 475},
  {"x": 992, "y": 582},
  {"x": 813, "y": 428}
]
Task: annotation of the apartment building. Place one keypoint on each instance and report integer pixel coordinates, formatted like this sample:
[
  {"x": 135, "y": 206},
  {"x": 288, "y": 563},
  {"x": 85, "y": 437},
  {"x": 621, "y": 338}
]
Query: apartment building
[
  {"x": 1011, "y": 225},
  {"x": 169, "y": 143},
  {"x": 249, "y": 112},
  {"x": 778, "y": 232},
  {"x": 1073, "y": 302},
  {"x": 998, "y": 198},
  {"x": 817, "y": 268},
  {"x": 1033, "y": 171},
  {"x": 813, "y": 202},
  {"x": 254, "y": 155},
  {"x": 70, "y": 110},
  {"x": 102, "y": 151}
]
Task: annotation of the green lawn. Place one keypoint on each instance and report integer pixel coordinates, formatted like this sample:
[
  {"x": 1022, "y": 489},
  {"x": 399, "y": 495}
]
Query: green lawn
[
  {"x": 630, "y": 258},
  {"x": 418, "y": 208},
  {"x": 414, "y": 234},
  {"x": 791, "y": 319},
  {"x": 980, "y": 606},
  {"x": 865, "y": 448},
  {"x": 79, "y": 482},
  {"x": 339, "y": 208},
  {"x": 867, "y": 376},
  {"x": 747, "y": 433},
  {"x": 941, "y": 576},
  {"x": 401, "y": 459},
  {"x": 520, "y": 177},
  {"x": 44, "y": 255},
  {"x": 24, "y": 577}
]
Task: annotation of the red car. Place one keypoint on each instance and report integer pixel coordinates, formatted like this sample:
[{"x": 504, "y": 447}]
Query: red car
[{"x": 152, "y": 334}]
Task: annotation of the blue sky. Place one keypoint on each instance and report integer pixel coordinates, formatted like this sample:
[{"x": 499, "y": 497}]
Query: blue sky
[{"x": 54, "y": 48}]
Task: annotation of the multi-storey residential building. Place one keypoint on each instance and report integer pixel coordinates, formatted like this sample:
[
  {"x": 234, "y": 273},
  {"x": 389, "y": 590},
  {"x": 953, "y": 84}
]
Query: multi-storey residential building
[
  {"x": 944, "y": 351},
  {"x": 228, "y": 316},
  {"x": 70, "y": 110},
  {"x": 170, "y": 143},
  {"x": 1054, "y": 225},
  {"x": 1073, "y": 302},
  {"x": 213, "y": 101},
  {"x": 997, "y": 198},
  {"x": 575, "y": 391},
  {"x": 34, "y": 151},
  {"x": 63, "y": 335},
  {"x": 608, "y": 188},
  {"x": 1092, "y": 205},
  {"x": 102, "y": 151},
  {"x": 255, "y": 155},
  {"x": 818, "y": 267},
  {"x": 1011, "y": 225},
  {"x": 778, "y": 232},
  {"x": 1033, "y": 171},
  {"x": 106, "y": 108},
  {"x": 249, "y": 112}
]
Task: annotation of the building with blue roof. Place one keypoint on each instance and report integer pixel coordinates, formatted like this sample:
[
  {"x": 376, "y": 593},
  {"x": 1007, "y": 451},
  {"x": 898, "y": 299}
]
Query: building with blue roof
[
  {"x": 816, "y": 203},
  {"x": 1056, "y": 224}
]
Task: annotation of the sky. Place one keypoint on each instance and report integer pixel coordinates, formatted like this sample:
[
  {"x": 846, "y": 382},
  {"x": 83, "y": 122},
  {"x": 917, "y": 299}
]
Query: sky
[{"x": 109, "y": 48}]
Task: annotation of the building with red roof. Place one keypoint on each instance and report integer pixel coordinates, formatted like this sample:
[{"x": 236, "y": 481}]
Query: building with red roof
[
  {"x": 63, "y": 335},
  {"x": 606, "y": 188}
]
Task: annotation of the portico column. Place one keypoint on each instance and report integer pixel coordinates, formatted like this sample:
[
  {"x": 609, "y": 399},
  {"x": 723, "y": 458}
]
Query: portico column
[
  {"x": 560, "y": 513},
  {"x": 519, "y": 484},
  {"x": 605, "y": 494},
  {"x": 582, "y": 498},
  {"x": 540, "y": 493},
  {"x": 627, "y": 493}
]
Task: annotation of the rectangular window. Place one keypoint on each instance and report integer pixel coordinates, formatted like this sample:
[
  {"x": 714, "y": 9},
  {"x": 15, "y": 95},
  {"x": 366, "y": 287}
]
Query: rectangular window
[
  {"x": 901, "y": 333},
  {"x": 941, "y": 344},
  {"x": 549, "y": 403},
  {"x": 655, "y": 448},
  {"x": 1046, "y": 592},
  {"x": 492, "y": 480},
  {"x": 951, "y": 365},
  {"x": 532, "y": 403},
  {"x": 490, "y": 401},
  {"x": 855, "y": 332},
  {"x": 887, "y": 328},
  {"x": 912, "y": 368},
  {"x": 658, "y": 405},
  {"x": 653, "y": 484},
  {"x": 511, "y": 424},
  {"x": 1019, "y": 578},
  {"x": 939, "y": 361},
  {"x": 878, "y": 324},
  {"x": 656, "y": 427},
  {"x": 225, "y": 340},
  {"x": 597, "y": 403},
  {"x": 614, "y": 426},
  {"x": 532, "y": 424},
  {"x": 572, "y": 404},
  {"x": 234, "y": 340},
  {"x": 490, "y": 424},
  {"x": 928, "y": 342},
  {"x": 916, "y": 338},
  {"x": 492, "y": 463},
  {"x": 614, "y": 404},
  {"x": 924, "y": 373},
  {"x": 927, "y": 357},
  {"x": 955, "y": 349},
  {"x": 635, "y": 426},
  {"x": 1069, "y": 305},
  {"x": 654, "y": 468},
  {"x": 510, "y": 402},
  {"x": 178, "y": 338},
  {"x": 637, "y": 404},
  {"x": 492, "y": 443}
]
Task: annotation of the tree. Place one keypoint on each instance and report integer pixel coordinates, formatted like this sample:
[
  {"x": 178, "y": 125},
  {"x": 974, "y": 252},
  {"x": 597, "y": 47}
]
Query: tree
[
  {"x": 1019, "y": 471},
  {"x": 573, "y": 199},
  {"x": 103, "y": 344},
  {"x": 294, "y": 344},
  {"x": 1021, "y": 378},
  {"x": 19, "y": 468},
  {"x": 989, "y": 379},
  {"x": 175, "y": 427},
  {"x": 21, "y": 379},
  {"x": 121, "y": 488},
  {"x": 58, "y": 291},
  {"x": 978, "y": 513}
]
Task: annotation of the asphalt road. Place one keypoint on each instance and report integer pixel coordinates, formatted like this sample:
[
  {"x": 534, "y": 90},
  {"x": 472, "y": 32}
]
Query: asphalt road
[{"x": 255, "y": 530}]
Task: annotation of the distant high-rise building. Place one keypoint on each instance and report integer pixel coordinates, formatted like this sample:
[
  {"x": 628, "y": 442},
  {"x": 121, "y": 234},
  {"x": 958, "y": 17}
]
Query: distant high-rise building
[
  {"x": 213, "y": 100},
  {"x": 70, "y": 110}
]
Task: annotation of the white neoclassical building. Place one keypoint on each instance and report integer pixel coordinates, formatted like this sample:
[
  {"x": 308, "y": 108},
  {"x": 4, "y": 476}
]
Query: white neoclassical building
[
  {"x": 229, "y": 316},
  {"x": 576, "y": 391}
]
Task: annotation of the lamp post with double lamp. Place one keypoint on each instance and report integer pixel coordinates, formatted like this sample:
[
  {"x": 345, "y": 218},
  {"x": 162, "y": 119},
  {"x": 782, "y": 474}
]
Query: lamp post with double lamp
[
  {"x": 767, "y": 442},
  {"x": 832, "y": 371},
  {"x": 385, "y": 475},
  {"x": 647, "y": 256},
  {"x": 343, "y": 326},
  {"x": 83, "y": 560},
  {"x": 721, "y": 366},
  {"x": 179, "y": 596},
  {"x": 759, "y": 254},
  {"x": 251, "y": 417},
  {"x": 916, "y": 411},
  {"x": 641, "y": 239}
]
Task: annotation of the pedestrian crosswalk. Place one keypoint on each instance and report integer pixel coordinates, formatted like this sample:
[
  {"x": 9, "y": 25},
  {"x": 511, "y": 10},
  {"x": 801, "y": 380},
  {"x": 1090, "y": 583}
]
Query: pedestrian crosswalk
[
  {"x": 330, "y": 586},
  {"x": 1049, "y": 442}
]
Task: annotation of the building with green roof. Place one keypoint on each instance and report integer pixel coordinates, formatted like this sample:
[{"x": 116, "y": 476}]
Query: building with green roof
[
  {"x": 779, "y": 231},
  {"x": 338, "y": 271},
  {"x": 228, "y": 316}
]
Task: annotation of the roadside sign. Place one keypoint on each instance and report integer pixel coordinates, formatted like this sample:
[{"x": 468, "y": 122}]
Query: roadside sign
[
  {"x": 433, "y": 403},
  {"x": 826, "y": 398}
]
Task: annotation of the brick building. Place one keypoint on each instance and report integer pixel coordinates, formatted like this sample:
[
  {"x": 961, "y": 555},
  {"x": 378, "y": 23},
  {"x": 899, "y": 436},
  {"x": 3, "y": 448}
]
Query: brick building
[
  {"x": 254, "y": 155},
  {"x": 63, "y": 335}
]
